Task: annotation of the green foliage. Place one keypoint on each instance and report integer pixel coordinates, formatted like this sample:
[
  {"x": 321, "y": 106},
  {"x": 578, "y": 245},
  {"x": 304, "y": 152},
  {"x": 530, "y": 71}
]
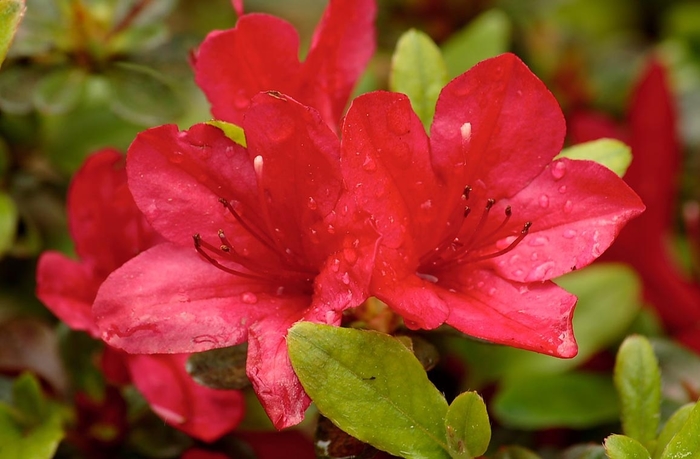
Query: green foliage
[
  {"x": 8, "y": 222},
  {"x": 622, "y": 447},
  {"x": 467, "y": 426},
  {"x": 638, "y": 381},
  {"x": 515, "y": 452},
  {"x": 231, "y": 131},
  {"x": 418, "y": 70},
  {"x": 674, "y": 424},
  {"x": 611, "y": 153},
  {"x": 574, "y": 399},
  {"x": 11, "y": 12},
  {"x": 31, "y": 427},
  {"x": 485, "y": 36},
  {"x": 685, "y": 444},
  {"x": 371, "y": 386},
  {"x": 60, "y": 91}
]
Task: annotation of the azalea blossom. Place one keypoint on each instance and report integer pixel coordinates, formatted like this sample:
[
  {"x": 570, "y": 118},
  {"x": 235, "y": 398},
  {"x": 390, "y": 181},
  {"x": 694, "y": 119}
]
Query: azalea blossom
[
  {"x": 476, "y": 219},
  {"x": 262, "y": 53},
  {"x": 651, "y": 131},
  {"x": 259, "y": 238},
  {"x": 108, "y": 229}
]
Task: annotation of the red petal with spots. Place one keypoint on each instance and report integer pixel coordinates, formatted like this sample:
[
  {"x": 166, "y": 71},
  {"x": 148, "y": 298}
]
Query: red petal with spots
[
  {"x": 261, "y": 54},
  {"x": 203, "y": 413}
]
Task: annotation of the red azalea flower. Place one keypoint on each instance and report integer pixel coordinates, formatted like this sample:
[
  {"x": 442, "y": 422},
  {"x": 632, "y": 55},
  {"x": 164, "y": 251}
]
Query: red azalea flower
[
  {"x": 276, "y": 240},
  {"x": 262, "y": 53},
  {"x": 108, "y": 229},
  {"x": 651, "y": 131},
  {"x": 477, "y": 219}
]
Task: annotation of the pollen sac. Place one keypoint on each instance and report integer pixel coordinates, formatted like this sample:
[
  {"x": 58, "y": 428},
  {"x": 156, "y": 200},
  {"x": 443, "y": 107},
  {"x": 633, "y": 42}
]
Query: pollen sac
[{"x": 220, "y": 368}]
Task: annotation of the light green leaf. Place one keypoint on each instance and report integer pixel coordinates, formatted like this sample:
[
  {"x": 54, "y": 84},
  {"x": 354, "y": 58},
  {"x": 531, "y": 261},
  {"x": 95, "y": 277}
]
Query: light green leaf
[
  {"x": 417, "y": 70},
  {"x": 231, "y": 131},
  {"x": 8, "y": 222},
  {"x": 686, "y": 443},
  {"x": 467, "y": 426},
  {"x": 372, "y": 387},
  {"x": 576, "y": 400},
  {"x": 622, "y": 447},
  {"x": 31, "y": 429},
  {"x": 674, "y": 424},
  {"x": 638, "y": 382},
  {"x": 11, "y": 12},
  {"x": 611, "y": 153},
  {"x": 486, "y": 36}
]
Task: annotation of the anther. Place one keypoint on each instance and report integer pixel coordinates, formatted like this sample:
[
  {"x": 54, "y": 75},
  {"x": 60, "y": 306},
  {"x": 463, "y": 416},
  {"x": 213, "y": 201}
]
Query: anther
[
  {"x": 489, "y": 203},
  {"x": 467, "y": 190},
  {"x": 467, "y": 210}
]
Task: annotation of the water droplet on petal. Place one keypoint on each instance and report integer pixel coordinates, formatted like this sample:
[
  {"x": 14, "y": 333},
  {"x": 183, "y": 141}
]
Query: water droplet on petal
[
  {"x": 331, "y": 229},
  {"x": 558, "y": 170},
  {"x": 427, "y": 205},
  {"x": 176, "y": 157},
  {"x": 492, "y": 291},
  {"x": 249, "y": 298},
  {"x": 398, "y": 119},
  {"x": 562, "y": 189},
  {"x": 544, "y": 201},
  {"x": 518, "y": 273},
  {"x": 538, "y": 241},
  {"x": 534, "y": 256},
  {"x": 314, "y": 236},
  {"x": 480, "y": 284},
  {"x": 568, "y": 207},
  {"x": 350, "y": 255},
  {"x": 402, "y": 154},
  {"x": 541, "y": 272},
  {"x": 312, "y": 203},
  {"x": 466, "y": 131},
  {"x": 345, "y": 278},
  {"x": 369, "y": 165},
  {"x": 569, "y": 234},
  {"x": 335, "y": 265}
]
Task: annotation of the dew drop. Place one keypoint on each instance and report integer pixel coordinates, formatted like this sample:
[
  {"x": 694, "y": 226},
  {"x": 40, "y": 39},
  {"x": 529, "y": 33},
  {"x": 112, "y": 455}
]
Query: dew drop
[
  {"x": 541, "y": 272},
  {"x": 249, "y": 298},
  {"x": 402, "y": 154},
  {"x": 534, "y": 256},
  {"x": 176, "y": 157},
  {"x": 538, "y": 241},
  {"x": 335, "y": 265},
  {"x": 492, "y": 291},
  {"x": 369, "y": 165},
  {"x": 480, "y": 284},
  {"x": 312, "y": 203},
  {"x": 518, "y": 273},
  {"x": 544, "y": 201},
  {"x": 314, "y": 236},
  {"x": 466, "y": 131},
  {"x": 562, "y": 189},
  {"x": 331, "y": 229},
  {"x": 569, "y": 234},
  {"x": 345, "y": 278},
  {"x": 558, "y": 170},
  {"x": 568, "y": 207},
  {"x": 350, "y": 255},
  {"x": 427, "y": 205}
]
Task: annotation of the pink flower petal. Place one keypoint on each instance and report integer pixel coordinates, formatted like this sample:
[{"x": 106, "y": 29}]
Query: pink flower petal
[
  {"x": 203, "y": 413},
  {"x": 67, "y": 288},
  {"x": 577, "y": 208},
  {"x": 516, "y": 127}
]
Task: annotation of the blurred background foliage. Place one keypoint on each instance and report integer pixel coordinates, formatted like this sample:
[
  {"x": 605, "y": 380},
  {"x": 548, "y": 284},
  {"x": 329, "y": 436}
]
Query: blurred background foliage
[{"x": 86, "y": 74}]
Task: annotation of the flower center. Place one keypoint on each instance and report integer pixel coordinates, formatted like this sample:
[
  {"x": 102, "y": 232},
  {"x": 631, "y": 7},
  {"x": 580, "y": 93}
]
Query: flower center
[
  {"x": 462, "y": 246},
  {"x": 274, "y": 265}
]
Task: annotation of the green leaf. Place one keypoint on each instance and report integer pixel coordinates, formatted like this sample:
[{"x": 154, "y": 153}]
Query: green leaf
[
  {"x": 142, "y": 95},
  {"x": 686, "y": 443},
  {"x": 638, "y": 383},
  {"x": 485, "y": 36},
  {"x": 467, "y": 426},
  {"x": 622, "y": 447},
  {"x": 31, "y": 428},
  {"x": 372, "y": 387},
  {"x": 611, "y": 153},
  {"x": 17, "y": 85},
  {"x": 8, "y": 222},
  {"x": 417, "y": 70},
  {"x": 575, "y": 400},
  {"x": 60, "y": 91},
  {"x": 11, "y": 12},
  {"x": 515, "y": 452},
  {"x": 674, "y": 424},
  {"x": 231, "y": 131}
]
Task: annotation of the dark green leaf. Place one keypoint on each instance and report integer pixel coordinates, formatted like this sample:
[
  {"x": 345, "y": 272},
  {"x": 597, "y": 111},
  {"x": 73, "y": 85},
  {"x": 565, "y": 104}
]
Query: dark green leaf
[
  {"x": 371, "y": 386},
  {"x": 638, "y": 383},
  {"x": 686, "y": 443},
  {"x": 417, "y": 70},
  {"x": 485, "y": 36},
  {"x": 59, "y": 91},
  {"x": 576, "y": 400},
  {"x": 141, "y": 95},
  {"x": 467, "y": 426},
  {"x": 11, "y": 12},
  {"x": 8, "y": 222},
  {"x": 611, "y": 153},
  {"x": 622, "y": 447}
]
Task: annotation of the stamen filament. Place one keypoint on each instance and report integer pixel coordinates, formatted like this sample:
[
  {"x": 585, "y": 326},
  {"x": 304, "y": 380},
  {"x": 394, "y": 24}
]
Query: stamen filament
[
  {"x": 199, "y": 243},
  {"x": 511, "y": 246}
]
